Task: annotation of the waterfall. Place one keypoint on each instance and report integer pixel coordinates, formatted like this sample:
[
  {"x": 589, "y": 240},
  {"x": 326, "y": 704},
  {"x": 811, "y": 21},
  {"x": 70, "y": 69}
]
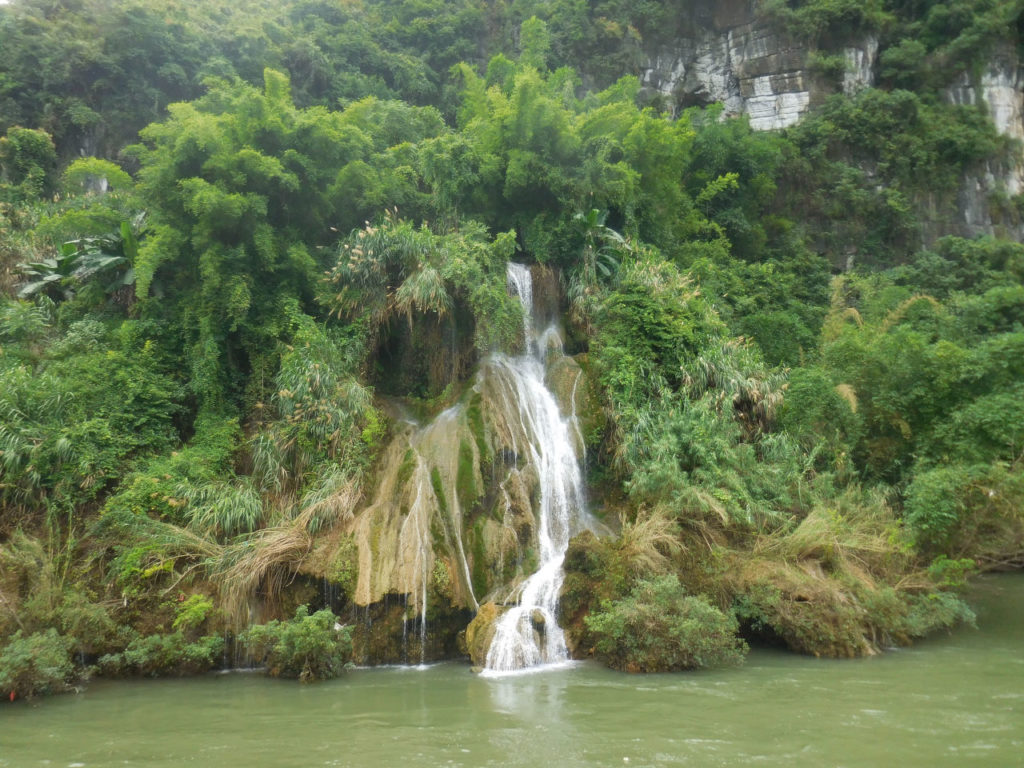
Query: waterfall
[
  {"x": 486, "y": 492},
  {"x": 527, "y": 634}
]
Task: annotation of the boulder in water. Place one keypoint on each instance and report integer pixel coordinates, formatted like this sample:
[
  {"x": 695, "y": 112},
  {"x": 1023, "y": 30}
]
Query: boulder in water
[
  {"x": 480, "y": 632},
  {"x": 537, "y": 620}
]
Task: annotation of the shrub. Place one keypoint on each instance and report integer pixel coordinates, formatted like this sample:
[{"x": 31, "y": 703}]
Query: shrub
[
  {"x": 28, "y": 160},
  {"x": 659, "y": 628},
  {"x": 171, "y": 654},
  {"x": 38, "y": 663},
  {"x": 935, "y": 501},
  {"x": 933, "y": 611},
  {"x": 309, "y": 647}
]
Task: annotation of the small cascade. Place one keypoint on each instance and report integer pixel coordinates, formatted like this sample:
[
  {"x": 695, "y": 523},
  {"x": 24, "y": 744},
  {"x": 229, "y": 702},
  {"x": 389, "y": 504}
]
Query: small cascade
[
  {"x": 477, "y": 498},
  {"x": 527, "y": 635},
  {"x": 418, "y": 518}
]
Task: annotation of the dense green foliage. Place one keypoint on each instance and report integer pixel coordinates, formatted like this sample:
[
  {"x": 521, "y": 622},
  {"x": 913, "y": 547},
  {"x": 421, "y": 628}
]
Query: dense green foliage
[
  {"x": 290, "y": 228},
  {"x": 659, "y": 628},
  {"x": 165, "y": 654},
  {"x": 309, "y": 646},
  {"x": 39, "y": 663}
]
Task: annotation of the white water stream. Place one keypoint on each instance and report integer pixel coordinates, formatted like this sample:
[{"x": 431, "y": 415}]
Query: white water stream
[{"x": 527, "y": 635}]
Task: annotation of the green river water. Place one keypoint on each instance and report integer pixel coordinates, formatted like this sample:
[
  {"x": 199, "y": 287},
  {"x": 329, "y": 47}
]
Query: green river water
[{"x": 952, "y": 700}]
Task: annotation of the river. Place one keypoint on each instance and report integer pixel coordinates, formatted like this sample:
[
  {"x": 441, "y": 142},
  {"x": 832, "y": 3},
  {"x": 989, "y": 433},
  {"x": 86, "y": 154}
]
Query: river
[{"x": 951, "y": 700}]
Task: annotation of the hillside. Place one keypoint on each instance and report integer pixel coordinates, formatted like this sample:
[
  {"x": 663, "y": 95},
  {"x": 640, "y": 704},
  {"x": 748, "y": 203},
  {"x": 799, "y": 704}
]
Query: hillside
[{"x": 263, "y": 359}]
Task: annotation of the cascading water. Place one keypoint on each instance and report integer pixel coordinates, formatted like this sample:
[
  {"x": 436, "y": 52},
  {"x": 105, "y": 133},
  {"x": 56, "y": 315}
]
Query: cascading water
[
  {"x": 527, "y": 634},
  {"x": 487, "y": 489}
]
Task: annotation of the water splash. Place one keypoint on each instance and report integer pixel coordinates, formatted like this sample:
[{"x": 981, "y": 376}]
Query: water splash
[{"x": 527, "y": 635}]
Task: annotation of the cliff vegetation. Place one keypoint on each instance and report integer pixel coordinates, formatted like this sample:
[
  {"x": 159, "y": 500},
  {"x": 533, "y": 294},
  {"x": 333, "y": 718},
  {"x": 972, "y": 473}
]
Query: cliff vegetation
[{"x": 243, "y": 246}]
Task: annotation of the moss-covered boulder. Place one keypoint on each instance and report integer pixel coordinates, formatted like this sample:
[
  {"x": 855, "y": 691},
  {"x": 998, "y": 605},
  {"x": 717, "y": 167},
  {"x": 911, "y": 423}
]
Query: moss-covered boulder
[
  {"x": 480, "y": 632},
  {"x": 573, "y": 388}
]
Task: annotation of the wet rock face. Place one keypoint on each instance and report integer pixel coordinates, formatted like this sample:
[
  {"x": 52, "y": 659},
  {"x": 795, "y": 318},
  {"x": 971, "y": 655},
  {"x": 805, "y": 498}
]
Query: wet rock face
[
  {"x": 732, "y": 57},
  {"x": 454, "y": 516},
  {"x": 480, "y": 632},
  {"x": 476, "y": 505},
  {"x": 390, "y": 632}
]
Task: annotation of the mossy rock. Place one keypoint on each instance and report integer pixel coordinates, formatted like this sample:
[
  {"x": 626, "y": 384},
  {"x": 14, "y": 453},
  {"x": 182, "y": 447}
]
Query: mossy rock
[
  {"x": 377, "y": 632},
  {"x": 589, "y": 407},
  {"x": 547, "y": 292},
  {"x": 563, "y": 379},
  {"x": 573, "y": 388},
  {"x": 585, "y": 566},
  {"x": 584, "y": 554},
  {"x": 480, "y": 632},
  {"x": 809, "y": 613}
]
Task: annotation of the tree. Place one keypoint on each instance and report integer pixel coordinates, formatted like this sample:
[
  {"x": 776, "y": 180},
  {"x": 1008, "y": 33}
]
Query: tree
[{"x": 28, "y": 163}]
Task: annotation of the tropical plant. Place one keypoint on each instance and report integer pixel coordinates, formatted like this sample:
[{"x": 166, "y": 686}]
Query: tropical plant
[
  {"x": 393, "y": 270},
  {"x": 79, "y": 261},
  {"x": 51, "y": 276},
  {"x": 603, "y": 249}
]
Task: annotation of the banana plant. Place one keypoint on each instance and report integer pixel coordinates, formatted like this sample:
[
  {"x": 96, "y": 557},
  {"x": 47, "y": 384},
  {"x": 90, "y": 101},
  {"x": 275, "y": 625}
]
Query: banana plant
[
  {"x": 50, "y": 276},
  {"x": 79, "y": 261}
]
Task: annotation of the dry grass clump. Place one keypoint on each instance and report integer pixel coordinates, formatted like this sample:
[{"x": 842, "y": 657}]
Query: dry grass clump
[
  {"x": 849, "y": 537},
  {"x": 261, "y": 563},
  {"x": 802, "y": 606},
  {"x": 842, "y": 583},
  {"x": 648, "y": 545},
  {"x": 332, "y": 501}
]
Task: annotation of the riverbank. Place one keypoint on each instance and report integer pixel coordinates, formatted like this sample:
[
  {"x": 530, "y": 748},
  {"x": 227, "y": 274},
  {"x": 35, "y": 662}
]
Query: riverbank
[{"x": 948, "y": 700}]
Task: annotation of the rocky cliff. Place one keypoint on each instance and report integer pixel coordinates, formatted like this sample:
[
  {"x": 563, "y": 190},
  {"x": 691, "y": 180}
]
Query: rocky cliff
[
  {"x": 733, "y": 55},
  {"x": 999, "y": 87}
]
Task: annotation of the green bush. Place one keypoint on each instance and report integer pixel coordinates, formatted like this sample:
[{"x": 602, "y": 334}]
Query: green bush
[
  {"x": 817, "y": 415},
  {"x": 930, "y": 612},
  {"x": 38, "y": 663},
  {"x": 659, "y": 628},
  {"x": 935, "y": 501},
  {"x": 157, "y": 655},
  {"x": 309, "y": 647}
]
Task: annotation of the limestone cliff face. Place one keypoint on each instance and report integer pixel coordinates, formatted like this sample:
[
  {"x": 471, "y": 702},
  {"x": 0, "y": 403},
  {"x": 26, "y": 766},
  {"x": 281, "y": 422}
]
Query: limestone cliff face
[
  {"x": 734, "y": 57},
  {"x": 1000, "y": 88}
]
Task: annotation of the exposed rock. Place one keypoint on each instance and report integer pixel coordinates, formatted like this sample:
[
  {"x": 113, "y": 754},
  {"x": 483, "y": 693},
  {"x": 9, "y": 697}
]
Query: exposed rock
[
  {"x": 389, "y": 633},
  {"x": 563, "y": 379},
  {"x": 732, "y": 56},
  {"x": 547, "y": 294},
  {"x": 480, "y": 632},
  {"x": 417, "y": 516},
  {"x": 860, "y": 65},
  {"x": 1001, "y": 88},
  {"x": 538, "y": 621},
  {"x": 574, "y": 389},
  {"x": 749, "y": 66}
]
